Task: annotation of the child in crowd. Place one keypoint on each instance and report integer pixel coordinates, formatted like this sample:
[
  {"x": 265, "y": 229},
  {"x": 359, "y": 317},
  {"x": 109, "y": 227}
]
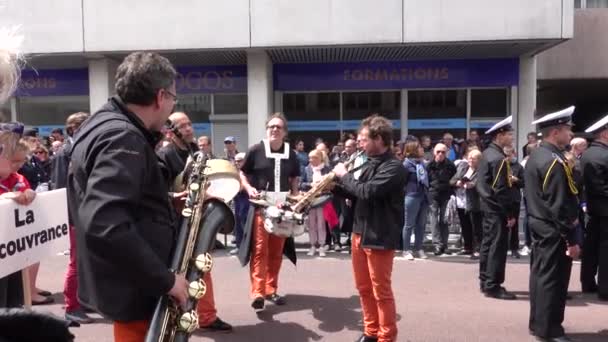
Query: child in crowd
[{"x": 12, "y": 186}]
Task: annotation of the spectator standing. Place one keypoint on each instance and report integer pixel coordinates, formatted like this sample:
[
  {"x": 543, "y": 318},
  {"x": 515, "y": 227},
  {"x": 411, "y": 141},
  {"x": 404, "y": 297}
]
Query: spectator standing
[
  {"x": 416, "y": 201},
  {"x": 440, "y": 172}
]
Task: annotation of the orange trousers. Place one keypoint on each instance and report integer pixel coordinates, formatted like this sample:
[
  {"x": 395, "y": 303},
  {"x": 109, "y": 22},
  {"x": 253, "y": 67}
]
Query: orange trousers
[
  {"x": 205, "y": 308},
  {"x": 266, "y": 258},
  {"x": 372, "y": 269},
  {"x": 134, "y": 331}
]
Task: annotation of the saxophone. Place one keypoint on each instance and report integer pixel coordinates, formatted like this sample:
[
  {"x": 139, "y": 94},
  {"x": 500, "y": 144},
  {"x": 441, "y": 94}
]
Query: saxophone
[
  {"x": 316, "y": 193},
  {"x": 202, "y": 219}
]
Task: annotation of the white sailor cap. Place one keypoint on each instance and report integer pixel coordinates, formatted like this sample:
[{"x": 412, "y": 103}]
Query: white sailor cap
[
  {"x": 562, "y": 117},
  {"x": 600, "y": 125},
  {"x": 502, "y": 126}
]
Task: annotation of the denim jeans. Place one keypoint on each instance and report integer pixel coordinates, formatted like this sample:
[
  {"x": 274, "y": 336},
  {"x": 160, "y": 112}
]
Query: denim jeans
[
  {"x": 416, "y": 208},
  {"x": 439, "y": 225}
]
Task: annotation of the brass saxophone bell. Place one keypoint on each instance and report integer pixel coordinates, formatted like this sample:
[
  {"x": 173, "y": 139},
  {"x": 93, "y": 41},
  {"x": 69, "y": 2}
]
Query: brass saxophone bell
[
  {"x": 204, "y": 262},
  {"x": 188, "y": 322},
  {"x": 197, "y": 289},
  {"x": 187, "y": 212}
]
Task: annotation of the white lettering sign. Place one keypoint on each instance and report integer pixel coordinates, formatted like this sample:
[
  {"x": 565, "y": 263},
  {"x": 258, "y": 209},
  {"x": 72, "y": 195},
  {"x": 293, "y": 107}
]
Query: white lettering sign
[{"x": 28, "y": 234}]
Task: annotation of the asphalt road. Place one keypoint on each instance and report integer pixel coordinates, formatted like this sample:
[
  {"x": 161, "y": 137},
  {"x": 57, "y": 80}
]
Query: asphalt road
[{"x": 437, "y": 300}]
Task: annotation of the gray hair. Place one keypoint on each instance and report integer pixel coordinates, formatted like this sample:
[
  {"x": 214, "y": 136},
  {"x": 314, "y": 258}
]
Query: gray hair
[
  {"x": 10, "y": 62},
  {"x": 141, "y": 75}
]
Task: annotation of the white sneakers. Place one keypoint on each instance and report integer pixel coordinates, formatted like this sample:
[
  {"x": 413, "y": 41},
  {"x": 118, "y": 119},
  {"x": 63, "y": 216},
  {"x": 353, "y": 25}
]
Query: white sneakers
[
  {"x": 411, "y": 256},
  {"x": 313, "y": 250}
]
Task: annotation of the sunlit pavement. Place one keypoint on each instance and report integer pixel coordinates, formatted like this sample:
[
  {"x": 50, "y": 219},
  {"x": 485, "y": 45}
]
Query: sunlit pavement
[{"x": 437, "y": 300}]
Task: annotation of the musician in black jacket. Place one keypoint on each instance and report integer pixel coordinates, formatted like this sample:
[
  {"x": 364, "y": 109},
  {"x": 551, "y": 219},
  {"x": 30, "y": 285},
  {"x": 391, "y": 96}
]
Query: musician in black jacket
[
  {"x": 594, "y": 164},
  {"x": 118, "y": 200},
  {"x": 378, "y": 221},
  {"x": 551, "y": 196},
  {"x": 494, "y": 187}
]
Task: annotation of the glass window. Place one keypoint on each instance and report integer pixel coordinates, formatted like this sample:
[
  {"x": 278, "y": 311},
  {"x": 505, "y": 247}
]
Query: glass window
[
  {"x": 230, "y": 103},
  {"x": 423, "y": 104},
  {"x": 49, "y": 110},
  {"x": 577, "y": 3},
  {"x": 359, "y": 105},
  {"x": 196, "y": 106},
  {"x": 435, "y": 112},
  {"x": 311, "y": 106},
  {"x": 489, "y": 103},
  {"x": 597, "y": 3}
]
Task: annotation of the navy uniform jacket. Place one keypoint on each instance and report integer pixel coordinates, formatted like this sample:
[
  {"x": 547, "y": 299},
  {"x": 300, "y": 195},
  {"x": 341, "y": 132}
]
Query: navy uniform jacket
[
  {"x": 493, "y": 183},
  {"x": 551, "y": 194},
  {"x": 594, "y": 165}
]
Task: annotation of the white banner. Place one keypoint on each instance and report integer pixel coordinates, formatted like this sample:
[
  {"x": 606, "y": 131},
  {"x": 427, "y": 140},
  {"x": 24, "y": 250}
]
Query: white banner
[{"x": 29, "y": 234}]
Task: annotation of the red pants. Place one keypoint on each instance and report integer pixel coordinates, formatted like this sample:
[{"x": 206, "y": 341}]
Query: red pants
[
  {"x": 372, "y": 269},
  {"x": 134, "y": 331},
  {"x": 207, "y": 313},
  {"x": 70, "y": 287},
  {"x": 266, "y": 258}
]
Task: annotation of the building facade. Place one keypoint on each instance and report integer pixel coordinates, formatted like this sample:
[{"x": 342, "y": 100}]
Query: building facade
[
  {"x": 576, "y": 72},
  {"x": 431, "y": 66}
]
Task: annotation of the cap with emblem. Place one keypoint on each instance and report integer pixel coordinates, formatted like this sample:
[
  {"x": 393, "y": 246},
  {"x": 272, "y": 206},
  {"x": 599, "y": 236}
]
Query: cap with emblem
[
  {"x": 502, "y": 126},
  {"x": 563, "y": 117},
  {"x": 599, "y": 126},
  {"x": 229, "y": 139}
]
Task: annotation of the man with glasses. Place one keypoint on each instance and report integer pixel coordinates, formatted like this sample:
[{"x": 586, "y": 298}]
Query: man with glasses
[
  {"x": 204, "y": 145},
  {"x": 271, "y": 167},
  {"x": 117, "y": 194},
  {"x": 494, "y": 187},
  {"x": 440, "y": 172}
]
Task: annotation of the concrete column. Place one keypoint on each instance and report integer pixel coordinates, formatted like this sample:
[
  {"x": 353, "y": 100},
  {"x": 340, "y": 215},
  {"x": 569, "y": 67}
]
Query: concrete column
[
  {"x": 101, "y": 82},
  {"x": 259, "y": 94},
  {"x": 526, "y": 100}
]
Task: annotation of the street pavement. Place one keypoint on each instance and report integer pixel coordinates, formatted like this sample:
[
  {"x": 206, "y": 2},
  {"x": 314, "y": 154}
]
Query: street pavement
[{"x": 437, "y": 300}]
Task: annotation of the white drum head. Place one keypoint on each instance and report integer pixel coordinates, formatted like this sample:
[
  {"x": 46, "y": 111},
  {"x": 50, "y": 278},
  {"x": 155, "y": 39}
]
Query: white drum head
[{"x": 224, "y": 188}]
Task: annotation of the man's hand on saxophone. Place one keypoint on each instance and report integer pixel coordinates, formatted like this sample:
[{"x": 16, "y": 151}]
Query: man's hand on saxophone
[{"x": 179, "y": 291}]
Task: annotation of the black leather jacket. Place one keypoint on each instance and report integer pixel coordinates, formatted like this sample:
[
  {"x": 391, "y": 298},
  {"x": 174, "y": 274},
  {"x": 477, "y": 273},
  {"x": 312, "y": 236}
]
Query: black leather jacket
[
  {"x": 124, "y": 225},
  {"x": 380, "y": 194}
]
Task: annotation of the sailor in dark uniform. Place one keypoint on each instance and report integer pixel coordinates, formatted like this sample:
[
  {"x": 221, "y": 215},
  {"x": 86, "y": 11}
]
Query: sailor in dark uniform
[
  {"x": 493, "y": 186},
  {"x": 551, "y": 195},
  {"x": 594, "y": 164}
]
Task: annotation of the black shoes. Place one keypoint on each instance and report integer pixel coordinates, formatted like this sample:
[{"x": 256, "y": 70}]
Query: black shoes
[
  {"x": 554, "y": 339},
  {"x": 78, "y": 316},
  {"x": 500, "y": 293},
  {"x": 258, "y": 304},
  {"x": 218, "y": 325},
  {"x": 589, "y": 288},
  {"x": 515, "y": 254},
  {"x": 364, "y": 338},
  {"x": 439, "y": 251},
  {"x": 276, "y": 299}
]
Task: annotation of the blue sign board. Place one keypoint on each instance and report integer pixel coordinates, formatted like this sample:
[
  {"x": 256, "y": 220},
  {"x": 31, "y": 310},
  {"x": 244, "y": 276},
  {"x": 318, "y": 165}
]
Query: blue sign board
[
  {"x": 203, "y": 128},
  {"x": 56, "y": 82},
  {"x": 190, "y": 80},
  {"x": 212, "y": 79},
  {"x": 396, "y": 75}
]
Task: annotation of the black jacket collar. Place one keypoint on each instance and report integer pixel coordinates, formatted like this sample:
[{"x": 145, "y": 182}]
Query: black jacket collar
[{"x": 121, "y": 108}]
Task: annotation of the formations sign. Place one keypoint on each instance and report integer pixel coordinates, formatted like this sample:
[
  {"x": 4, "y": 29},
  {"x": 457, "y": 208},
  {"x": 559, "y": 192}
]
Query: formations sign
[{"x": 28, "y": 234}]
